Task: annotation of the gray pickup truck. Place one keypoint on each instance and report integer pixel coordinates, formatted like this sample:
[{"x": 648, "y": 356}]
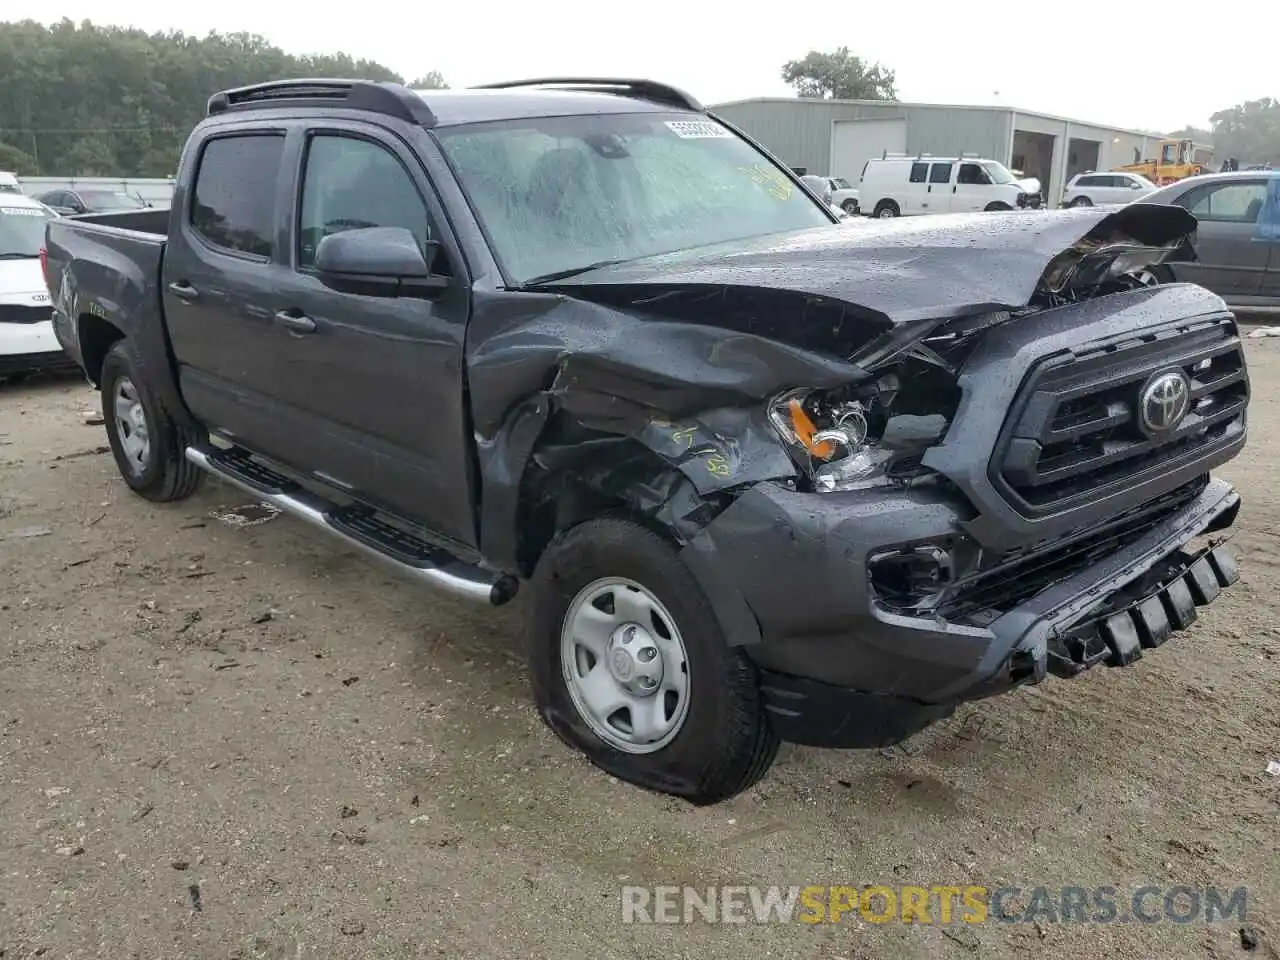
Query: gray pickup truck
[{"x": 762, "y": 476}]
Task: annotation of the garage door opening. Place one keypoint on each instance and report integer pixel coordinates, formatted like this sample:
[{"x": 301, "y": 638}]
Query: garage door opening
[
  {"x": 1082, "y": 156},
  {"x": 1033, "y": 155}
]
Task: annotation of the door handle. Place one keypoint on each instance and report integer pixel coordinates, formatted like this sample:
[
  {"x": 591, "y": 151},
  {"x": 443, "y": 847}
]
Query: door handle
[
  {"x": 295, "y": 322},
  {"x": 184, "y": 291}
]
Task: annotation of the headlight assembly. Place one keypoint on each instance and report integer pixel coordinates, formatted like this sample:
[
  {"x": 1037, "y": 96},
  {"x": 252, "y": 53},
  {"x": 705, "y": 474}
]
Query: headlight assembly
[{"x": 830, "y": 441}]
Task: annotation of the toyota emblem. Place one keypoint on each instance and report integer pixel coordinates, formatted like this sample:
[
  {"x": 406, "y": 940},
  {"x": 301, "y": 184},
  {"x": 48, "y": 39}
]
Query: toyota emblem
[{"x": 1164, "y": 401}]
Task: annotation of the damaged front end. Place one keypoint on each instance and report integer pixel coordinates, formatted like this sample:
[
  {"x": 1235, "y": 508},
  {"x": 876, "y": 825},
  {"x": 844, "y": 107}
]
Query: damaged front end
[{"x": 826, "y": 434}]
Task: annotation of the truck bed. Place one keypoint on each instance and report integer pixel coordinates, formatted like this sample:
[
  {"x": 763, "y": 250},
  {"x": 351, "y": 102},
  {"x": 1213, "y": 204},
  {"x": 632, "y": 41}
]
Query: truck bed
[{"x": 105, "y": 266}]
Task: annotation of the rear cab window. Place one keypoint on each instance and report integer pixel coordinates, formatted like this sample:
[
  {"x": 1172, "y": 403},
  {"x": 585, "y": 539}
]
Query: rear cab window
[
  {"x": 919, "y": 173},
  {"x": 232, "y": 205}
]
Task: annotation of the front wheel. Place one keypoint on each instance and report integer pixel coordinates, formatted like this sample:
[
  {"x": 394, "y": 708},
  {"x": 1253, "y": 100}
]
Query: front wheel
[
  {"x": 1081, "y": 202},
  {"x": 850, "y": 207},
  {"x": 149, "y": 446},
  {"x": 630, "y": 666},
  {"x": 997, "y": 207}
]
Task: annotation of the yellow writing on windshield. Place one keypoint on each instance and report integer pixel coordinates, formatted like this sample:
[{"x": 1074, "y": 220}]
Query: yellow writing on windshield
[{"x": 771, "y": 179}]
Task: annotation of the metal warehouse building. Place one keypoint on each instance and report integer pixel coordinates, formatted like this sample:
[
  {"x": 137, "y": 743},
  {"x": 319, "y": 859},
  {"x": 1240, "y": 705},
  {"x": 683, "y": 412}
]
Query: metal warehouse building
[{"x": 835, "y": 137}]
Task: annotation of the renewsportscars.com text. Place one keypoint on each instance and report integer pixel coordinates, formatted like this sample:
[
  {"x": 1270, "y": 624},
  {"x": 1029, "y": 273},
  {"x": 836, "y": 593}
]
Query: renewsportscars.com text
[{"x": 941, "y": 904}]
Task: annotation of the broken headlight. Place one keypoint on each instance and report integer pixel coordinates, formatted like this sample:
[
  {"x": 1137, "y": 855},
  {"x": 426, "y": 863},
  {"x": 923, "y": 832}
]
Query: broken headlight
[{"x": 831, "y": 440}]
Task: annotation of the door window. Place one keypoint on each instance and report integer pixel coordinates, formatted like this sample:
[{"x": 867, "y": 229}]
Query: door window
[
  {"x": 233, "y": 201},
  {"x": 919, "y": 171},
  {"x": 972, "y": 174},
  {"x": 940, "y": 173},
  {"x": 1235, "y": 202},
  {"x": 350, "y": 184}
]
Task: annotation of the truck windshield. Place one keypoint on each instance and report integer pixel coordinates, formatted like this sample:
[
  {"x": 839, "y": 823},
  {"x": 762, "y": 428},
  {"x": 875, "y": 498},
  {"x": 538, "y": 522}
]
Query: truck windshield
[
  {"x": 556, "y": 195},
  {"x": 21, "y": 231}
]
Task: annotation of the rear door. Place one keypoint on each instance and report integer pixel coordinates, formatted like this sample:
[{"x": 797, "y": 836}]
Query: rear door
[
  {"x": 218, "y": 275},
  {"x": 940, "y": 188},
  {"x": 373, "y": 398},
  {"x": 1231, "y": 252}
]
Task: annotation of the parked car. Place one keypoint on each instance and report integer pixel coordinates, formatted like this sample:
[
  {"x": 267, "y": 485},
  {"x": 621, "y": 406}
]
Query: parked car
[
  {"x": 903, "y": 187},
  {"x": 77, "y": 202},
  {"x": 762, "y": 479},
  {"x": 27, "y": 341},
  {"x": 1088, "y": 189},
  {"x": 9, "y": 183},
  {"x": 840, "y": 192},
  {"x": 1237, "y": 243}
]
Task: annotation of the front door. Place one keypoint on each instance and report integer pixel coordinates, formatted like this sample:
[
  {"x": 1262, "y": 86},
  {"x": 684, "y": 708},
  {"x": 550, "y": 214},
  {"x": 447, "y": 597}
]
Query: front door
[
  {"x": 1231, "y": 251},
  {"x": 375, "y": 384},
  {"x": 972, "y": 190}
]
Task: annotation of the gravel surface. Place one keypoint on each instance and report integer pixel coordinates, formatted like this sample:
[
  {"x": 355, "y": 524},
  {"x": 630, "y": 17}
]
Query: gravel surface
[{"x": 223, "y": 736}]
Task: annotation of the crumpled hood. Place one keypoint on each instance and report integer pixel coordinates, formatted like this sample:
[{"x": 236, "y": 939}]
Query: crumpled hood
[{"x": 912, "y": 268}]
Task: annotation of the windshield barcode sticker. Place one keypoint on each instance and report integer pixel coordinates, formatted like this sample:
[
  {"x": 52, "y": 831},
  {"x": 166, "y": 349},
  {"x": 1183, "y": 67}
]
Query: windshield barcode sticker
[
  {"x": 697, "y": 129},
  {"x": 22, "y": 211}
]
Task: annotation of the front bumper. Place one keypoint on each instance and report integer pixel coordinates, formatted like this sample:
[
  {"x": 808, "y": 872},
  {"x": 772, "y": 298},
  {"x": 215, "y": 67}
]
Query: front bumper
[{"x": 840, "y": 669}]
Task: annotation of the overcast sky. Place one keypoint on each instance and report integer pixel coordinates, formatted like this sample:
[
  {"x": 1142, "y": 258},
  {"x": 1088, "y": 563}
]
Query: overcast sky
[{"x": 1125, "y": 67}]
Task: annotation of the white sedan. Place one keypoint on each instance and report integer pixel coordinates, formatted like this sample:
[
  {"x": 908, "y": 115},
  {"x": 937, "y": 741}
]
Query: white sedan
[{"x": 27, "y": 341}]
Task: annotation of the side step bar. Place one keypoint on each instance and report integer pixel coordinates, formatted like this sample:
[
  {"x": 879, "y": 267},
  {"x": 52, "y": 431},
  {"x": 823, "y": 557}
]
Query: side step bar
[{"x": 358, "y": 527}]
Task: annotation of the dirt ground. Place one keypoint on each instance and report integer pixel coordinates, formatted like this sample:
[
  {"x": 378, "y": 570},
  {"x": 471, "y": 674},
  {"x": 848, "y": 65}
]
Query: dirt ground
[{"x": 239, "y": 741}]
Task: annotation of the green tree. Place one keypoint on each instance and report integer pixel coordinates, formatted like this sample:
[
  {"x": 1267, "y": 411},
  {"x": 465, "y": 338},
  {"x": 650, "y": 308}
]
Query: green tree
[
  {"x": 13, "y": 160},
  {"x": 82, "y": 98},
  {"x": 430, "y": 81},
  {"x": 840, "y": 76},
  {"x": 1249, "y": 132}
]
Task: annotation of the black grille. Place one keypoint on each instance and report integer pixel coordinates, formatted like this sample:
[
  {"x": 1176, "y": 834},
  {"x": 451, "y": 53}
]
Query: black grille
[
  {"x": 16, "y": 313},
  {"x": 1019, "y": 575},
  {"x": 1075, "y": 433}
]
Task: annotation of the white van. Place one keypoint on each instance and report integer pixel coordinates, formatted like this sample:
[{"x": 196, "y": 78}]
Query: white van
[{"x": 909, "y": 186}]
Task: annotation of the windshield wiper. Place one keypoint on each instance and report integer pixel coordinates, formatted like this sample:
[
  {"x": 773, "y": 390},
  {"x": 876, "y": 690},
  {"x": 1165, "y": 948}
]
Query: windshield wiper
[
  {"x": 19, "y": 256},
  {"x": 565, "y": 274}
]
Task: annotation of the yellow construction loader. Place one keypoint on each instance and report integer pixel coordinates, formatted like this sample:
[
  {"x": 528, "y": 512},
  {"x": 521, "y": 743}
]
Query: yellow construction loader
[{"x": 1177, "y": 160}]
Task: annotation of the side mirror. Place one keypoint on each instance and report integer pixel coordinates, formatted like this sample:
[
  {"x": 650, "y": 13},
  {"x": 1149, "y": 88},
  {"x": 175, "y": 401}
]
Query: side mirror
[{"x": 378, "y": 262}]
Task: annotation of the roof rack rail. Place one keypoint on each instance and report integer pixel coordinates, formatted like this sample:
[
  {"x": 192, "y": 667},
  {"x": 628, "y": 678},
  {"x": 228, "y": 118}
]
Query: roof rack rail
[
  {"x": 391, "y": 99},
  {"x": 640, "y": 89}
]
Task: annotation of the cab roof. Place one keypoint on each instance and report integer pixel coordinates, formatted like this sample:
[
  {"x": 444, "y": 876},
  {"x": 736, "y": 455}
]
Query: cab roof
[{"x": 549, "y": 97}]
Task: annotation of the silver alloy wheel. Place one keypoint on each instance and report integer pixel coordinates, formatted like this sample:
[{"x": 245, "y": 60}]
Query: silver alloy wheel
[
  {"x": 131, "y": 426},
  {"x": 625, "y": 665},
  {"x": 886, "y": 213}
]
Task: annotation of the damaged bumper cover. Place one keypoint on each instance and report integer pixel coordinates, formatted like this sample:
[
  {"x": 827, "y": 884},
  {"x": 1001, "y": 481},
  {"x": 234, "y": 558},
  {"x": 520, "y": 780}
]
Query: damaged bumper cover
[{"x": 840, "y": 668}]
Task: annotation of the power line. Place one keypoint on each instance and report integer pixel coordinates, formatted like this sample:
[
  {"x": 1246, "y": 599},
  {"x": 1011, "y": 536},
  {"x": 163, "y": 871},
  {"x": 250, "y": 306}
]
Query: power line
[{"x": 31, "y": 130}]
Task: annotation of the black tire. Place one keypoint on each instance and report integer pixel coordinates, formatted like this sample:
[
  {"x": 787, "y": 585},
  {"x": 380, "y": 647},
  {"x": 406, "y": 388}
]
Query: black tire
[
  {"x": 887, "y": 209},
  {"x": 167, "y": 474},
  {"x": 997, "y": 207},
  {"x": 725, "y": 744},
  {"x": 1081, "y": 202},
  {"x": 850, "y": 207}
]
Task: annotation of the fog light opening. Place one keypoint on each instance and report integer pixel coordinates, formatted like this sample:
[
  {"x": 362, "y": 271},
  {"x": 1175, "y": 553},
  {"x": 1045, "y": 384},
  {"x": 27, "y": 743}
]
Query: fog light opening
[{"x": 912, "y": 578}]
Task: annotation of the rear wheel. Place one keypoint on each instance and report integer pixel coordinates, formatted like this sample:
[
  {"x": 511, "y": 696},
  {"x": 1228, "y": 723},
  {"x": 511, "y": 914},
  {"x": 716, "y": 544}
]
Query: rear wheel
[
  {"x": 630, "y": 666},
  {"x": 850, "y": 207},
  {"x": 1081, "y": 202},
  {"x": 996, "y": 206},
  {"x": 887, "y": 210},
  {"x": 147, "y": 444}
]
